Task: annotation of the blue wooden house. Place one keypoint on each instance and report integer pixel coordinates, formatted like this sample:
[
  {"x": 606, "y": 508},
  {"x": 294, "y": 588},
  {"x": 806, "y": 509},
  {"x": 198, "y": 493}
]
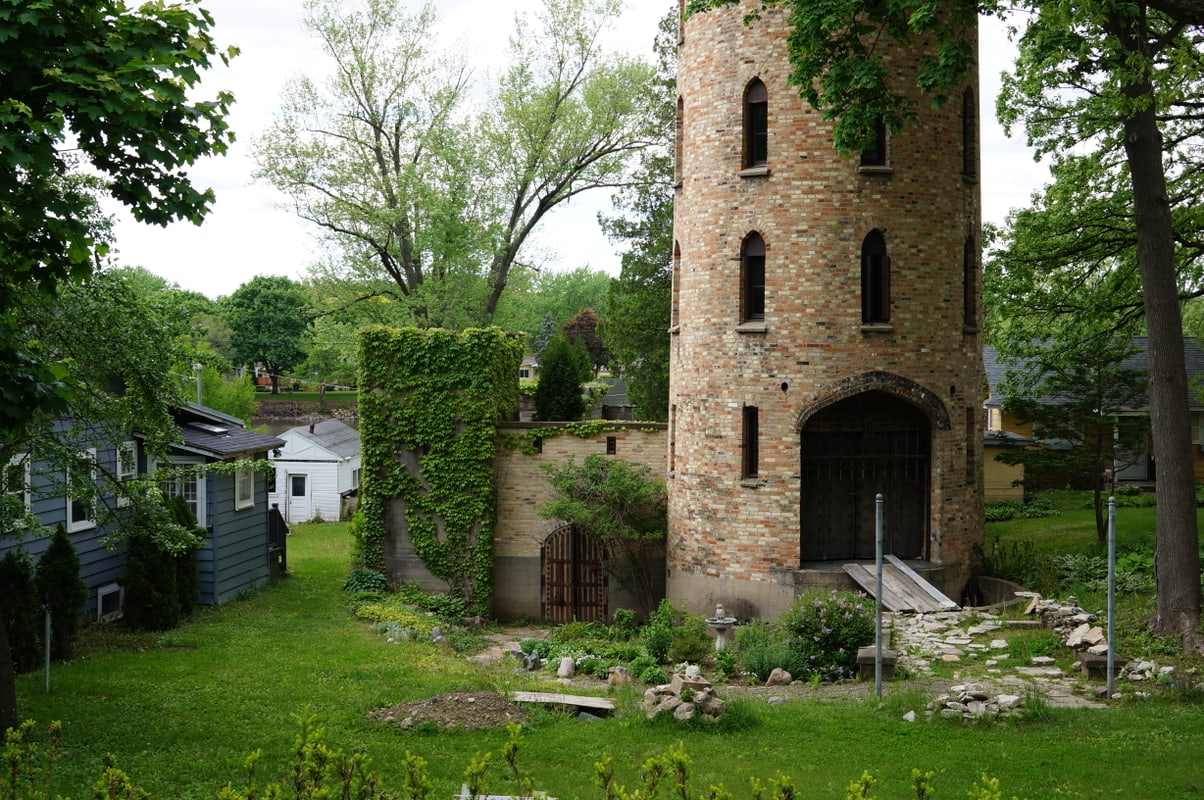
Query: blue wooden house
[{"x": 243, "y": 544}]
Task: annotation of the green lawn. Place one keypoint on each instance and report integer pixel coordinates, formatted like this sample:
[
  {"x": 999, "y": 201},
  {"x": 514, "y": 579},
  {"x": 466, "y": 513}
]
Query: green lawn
[{"x": 181, "y": 710}]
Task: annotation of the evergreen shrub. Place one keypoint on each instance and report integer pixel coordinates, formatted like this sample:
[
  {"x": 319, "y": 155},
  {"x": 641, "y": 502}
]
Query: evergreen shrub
[
  {"x": 22, "y": 611},
  {"x": 59, "y": 585}
]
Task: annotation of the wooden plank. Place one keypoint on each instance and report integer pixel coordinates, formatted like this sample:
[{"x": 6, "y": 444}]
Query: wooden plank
[
  {"x": 942, "y": 600},
  {"x": 580, "y": 701},
  {"x": 902, "y": 588},
  {"x": 892, "y": 598}
]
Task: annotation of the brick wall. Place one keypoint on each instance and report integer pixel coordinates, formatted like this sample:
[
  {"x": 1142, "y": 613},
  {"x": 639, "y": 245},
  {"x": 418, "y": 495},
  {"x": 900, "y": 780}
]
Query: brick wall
[
  {"x": 522, "y": 487},
  {"x": 813, "y": 209}
]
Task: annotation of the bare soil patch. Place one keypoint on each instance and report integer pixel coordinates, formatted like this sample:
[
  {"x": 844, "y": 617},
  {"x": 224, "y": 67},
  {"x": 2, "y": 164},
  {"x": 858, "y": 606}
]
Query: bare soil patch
[{"x": 466, "y": 710}]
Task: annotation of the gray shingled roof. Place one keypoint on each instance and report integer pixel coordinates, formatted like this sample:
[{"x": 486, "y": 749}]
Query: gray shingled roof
[
  {"x": 219, "y": 435},
  {"x": 336, "y": 436},
  {"x": 1193, "y": 358}
]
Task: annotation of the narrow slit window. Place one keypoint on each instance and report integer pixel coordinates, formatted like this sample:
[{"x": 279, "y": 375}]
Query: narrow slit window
[
  {"x": 756, "y": 125},
  {"x": 875, "y": 154},
  {"x": 750, "y": 436},
  {"x": 875, "y": 279},
  {"x": 752, "y": 279},
  {"x": 970, "y": 286},
  {"x": 969, "y": 135}
]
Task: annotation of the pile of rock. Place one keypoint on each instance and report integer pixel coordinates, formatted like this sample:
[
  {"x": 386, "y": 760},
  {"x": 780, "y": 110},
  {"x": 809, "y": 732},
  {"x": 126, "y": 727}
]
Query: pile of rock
[
  {"x": 1076, "y": 626},
  {"x": 975, "y": 701},
  {"x": 685, "y": 697}
]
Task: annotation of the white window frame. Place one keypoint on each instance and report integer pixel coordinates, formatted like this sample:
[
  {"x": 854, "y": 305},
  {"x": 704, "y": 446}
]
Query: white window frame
[
  {"x": 355, "y": 478},
  {"x": 74, "y": 525},
  {"x": 21, "y": 461},
  {"x": 244, "y": 489},
  {"x": 126, "y": 469},
  {"x": 174, "y": 485}
]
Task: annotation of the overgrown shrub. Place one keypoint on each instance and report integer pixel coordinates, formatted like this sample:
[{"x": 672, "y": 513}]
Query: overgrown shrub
[
  {"x": 388, "y": 612},
  {"x": 60, "y": 587},
  {"x": 825, "y": 629},
  {"x": 761, "y": 650},
  {"x": 363, "y": 579},
  {"x": 448, "y": 607},
  {"x": 22, "y": 610},
  {"x": 672, "y": 634},
  {"x": 654, "y": 676},
  {"x": 188, "y": 582},
  {"x": 690, "y": 641},
  {"x": 624, "y": 627},
  {"x": 162, "y": 537}
]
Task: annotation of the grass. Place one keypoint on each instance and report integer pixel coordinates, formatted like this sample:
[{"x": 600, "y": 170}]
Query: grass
[{"x": 181, "y": 710}]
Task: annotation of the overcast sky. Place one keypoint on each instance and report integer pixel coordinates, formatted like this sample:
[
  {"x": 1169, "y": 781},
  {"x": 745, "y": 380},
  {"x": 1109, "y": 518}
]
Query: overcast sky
[{"x": 249, "y": 234}]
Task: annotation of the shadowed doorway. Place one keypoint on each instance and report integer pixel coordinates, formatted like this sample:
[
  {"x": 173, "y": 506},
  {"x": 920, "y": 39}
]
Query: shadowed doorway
[{"x": 852, "y": 450}]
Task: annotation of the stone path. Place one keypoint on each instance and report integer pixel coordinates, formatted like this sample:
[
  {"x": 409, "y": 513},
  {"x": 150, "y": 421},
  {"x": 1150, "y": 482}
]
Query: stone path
[{"x": 979, "y": 640}]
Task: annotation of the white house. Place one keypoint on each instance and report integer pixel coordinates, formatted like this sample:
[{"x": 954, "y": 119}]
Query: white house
[{"x": 316, "y": 469}]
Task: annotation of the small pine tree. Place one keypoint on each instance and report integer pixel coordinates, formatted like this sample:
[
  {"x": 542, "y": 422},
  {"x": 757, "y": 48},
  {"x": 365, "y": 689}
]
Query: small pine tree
[
  {"x": 60, "y": 586},
  {"x": 22, "y": 613},
  {"x": 188, "y": 587},
  {"x": 565, "y": 366},
  {"x": 152, "y": 600}
]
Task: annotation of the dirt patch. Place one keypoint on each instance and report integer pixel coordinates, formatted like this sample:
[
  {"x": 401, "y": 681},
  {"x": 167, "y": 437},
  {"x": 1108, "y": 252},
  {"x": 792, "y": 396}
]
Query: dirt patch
[{"x": 467, "y": 710}]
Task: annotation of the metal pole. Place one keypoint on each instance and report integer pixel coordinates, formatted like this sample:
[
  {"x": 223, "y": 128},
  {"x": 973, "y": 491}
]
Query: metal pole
[
  {"x": 878, "y": 596},
  {"x": 1111, "y": 592}
]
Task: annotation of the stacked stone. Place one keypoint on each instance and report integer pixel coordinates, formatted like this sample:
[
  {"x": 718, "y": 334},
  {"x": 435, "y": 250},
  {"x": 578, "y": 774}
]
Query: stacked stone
[
  {"x": 1074, "y": 625},
  {"x": 975, "y": 701},
  {"x": 685, "y": 697}
]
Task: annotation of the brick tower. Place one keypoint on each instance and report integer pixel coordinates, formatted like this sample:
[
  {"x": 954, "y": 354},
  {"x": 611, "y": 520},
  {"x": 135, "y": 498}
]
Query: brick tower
[{"x": 825, "y": 340}]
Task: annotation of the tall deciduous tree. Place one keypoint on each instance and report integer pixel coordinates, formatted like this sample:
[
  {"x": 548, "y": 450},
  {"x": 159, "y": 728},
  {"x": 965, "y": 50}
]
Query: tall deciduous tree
[
  {"x": 115, "y": 81},
  {"x": 1094, "y": 77},
  {"x": 407, "y": 182},
  {"x": 269, "y": 318},
  {"x": 640, "y": 304},
  {"x": 584, "y": 328}
]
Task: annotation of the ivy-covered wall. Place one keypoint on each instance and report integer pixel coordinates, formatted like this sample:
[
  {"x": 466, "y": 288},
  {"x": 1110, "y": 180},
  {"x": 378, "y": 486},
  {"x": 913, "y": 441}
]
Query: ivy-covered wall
[{"x": 429, "y": 405}]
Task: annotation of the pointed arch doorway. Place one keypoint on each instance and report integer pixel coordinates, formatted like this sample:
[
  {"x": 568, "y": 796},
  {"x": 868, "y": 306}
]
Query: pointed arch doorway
[{"x": 870, "y": 443}]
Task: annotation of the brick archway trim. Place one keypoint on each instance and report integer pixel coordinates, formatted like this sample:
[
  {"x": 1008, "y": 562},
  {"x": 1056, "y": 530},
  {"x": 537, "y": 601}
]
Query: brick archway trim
[{"x": 896, "y": 385}]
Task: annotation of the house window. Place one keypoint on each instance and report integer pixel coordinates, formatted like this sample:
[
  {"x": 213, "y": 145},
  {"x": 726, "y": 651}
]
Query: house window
[
  {"x": 875, "y": 154},
  {"x": 970, "y": 286},
  {"x": 752, "y": 279},
  {"x": 244, "y": 488},
  {"x": 127, "y": 468},
  {"x": 187, "y": 480},
  {"x": 355, "y": 478},
  {"x": 612, "y": 445},
  {"x": 875, "y": 280},
  {"x": 14, "y": 482},
  {"x": 756, "y": 125},
  {"x": 81, "y": 505},
  {"x": 524, "y": 373},
  {"x": 297, "y": 488},
  {"x": 749, "y": 437},
  {"x": 969, "y": 135}
]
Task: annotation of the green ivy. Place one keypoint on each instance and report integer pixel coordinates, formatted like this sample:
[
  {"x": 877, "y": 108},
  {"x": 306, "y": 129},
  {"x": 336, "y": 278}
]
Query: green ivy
[
  {"x": 429, "y": 405},
  {"x": 527, "y": 442}
]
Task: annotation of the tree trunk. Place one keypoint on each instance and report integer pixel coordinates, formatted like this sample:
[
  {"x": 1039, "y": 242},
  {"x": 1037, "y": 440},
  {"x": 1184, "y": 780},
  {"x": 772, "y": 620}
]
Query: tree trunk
[
  {"x": 8, "y": 684},
  {"x": 1176, "y": 550}
]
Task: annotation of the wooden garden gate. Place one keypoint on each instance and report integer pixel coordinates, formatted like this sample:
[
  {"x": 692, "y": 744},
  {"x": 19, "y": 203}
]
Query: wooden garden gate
[{"x": 574, "y": 579}]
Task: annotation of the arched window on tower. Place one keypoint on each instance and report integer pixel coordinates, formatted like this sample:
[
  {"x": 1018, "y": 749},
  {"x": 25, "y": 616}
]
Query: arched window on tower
[
  {"x": 875, "y": 154},
  {"x": 752, "y": 279},
  {"x": 756, "y": 125},
  {"x": 875, "y": 279},
  {"x": 969, "y": 135},
  {"x": 970, "y": 286}
]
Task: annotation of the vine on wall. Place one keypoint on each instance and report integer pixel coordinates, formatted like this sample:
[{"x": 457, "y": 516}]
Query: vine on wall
[{"x": 429, "y": 405}]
